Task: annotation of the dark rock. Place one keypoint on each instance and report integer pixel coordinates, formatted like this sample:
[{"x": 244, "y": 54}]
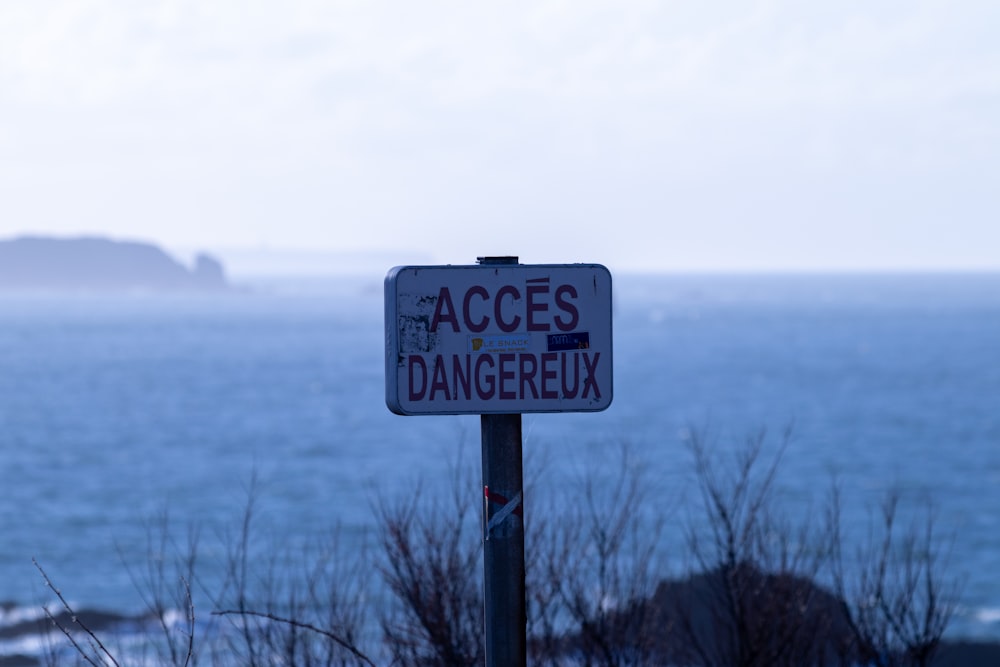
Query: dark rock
[
  {"x": 967, "y": 654},
  {"x": 789, "y": 620},
  {"x": 208, "y": 272}
]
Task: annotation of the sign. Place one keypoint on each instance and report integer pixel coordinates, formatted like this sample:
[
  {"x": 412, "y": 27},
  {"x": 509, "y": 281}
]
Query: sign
[{"x": 498, "y": 339}]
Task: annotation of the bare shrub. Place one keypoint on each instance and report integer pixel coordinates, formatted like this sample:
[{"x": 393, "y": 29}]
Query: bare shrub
[
  {"x": 291, "y": 605},
  {"x": 272, "y": 603},
  {"x": 751, "y": 597},
  {"x": 591, "y": 571},
  {"x": 432, "y": 565},
  {"x": 751, "y": 600},
  {"x": 164, "y": 585},
  {"x": 898, "y": 597}
]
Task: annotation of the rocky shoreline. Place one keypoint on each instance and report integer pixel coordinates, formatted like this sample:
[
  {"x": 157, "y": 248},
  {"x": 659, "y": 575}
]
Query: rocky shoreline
[{"x": 29, "y": 639}]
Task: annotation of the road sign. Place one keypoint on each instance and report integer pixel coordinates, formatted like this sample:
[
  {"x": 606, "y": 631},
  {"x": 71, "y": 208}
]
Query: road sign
[{"x": 498, "y": 339}]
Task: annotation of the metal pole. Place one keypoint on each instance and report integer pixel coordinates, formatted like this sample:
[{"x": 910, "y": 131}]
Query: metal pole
[
  {"x": 503, "y": 546},
  {"x": 503, "y": 549}
]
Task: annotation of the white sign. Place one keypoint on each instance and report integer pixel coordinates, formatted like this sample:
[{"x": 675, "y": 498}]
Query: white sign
[{"x": 498, "y": 339}]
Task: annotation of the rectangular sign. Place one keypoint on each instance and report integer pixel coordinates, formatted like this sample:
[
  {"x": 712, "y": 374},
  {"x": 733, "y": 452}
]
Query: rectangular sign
[{"x": 498, "y": 339}]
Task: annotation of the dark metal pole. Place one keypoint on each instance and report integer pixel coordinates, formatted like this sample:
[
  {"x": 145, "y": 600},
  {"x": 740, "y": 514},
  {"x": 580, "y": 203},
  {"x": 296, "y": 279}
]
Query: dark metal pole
[
  {"x": 503, "y": 549},
  {"x": 503, "y": 546}
]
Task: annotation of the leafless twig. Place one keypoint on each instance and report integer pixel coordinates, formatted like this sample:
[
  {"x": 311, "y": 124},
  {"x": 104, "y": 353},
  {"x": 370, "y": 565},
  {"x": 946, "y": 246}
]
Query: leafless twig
[
  {"x": 99, "y": 649},
  {"x": 299, "y": 624}
]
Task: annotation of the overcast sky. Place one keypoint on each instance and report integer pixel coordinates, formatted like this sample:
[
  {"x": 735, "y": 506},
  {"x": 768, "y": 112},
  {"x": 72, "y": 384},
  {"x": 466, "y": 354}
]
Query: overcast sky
[{"x": 643, "y": 135}]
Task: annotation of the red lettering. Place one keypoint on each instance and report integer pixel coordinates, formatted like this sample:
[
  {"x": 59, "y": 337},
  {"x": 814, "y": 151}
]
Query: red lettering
[
  {"x": 460, "y": 376},
  {"x": 537, "y": 307},
  {"x": 548, "y": 374},
  {"x": 504, "y": 325},
  {"x": 480, "y": 326},
  {"x": 567, "y": 392},
  {"x": 566, "y": 307},
  {"x": 506, "y": 375},
  {"x": 439, "y": 382},
  {"x": 413, "y": 362},
  {"x": 485, "y": 360},
  {"x": 590, "y": 380},
  {"x": 440, "y": 314},
  {"x": 528, "y": 374}
]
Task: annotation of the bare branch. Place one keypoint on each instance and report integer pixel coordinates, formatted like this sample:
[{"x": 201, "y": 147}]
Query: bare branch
[
  {"x": 299, "y": 624},
  {"x": 99, "y": 647}
]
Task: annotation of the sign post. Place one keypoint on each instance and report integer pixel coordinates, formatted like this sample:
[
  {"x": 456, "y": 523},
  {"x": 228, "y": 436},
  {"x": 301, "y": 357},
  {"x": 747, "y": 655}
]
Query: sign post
[
  {"x": 506, "y": 617},
  {"x": 499, "y": 339},
  {"x": 503, "y": 545}
]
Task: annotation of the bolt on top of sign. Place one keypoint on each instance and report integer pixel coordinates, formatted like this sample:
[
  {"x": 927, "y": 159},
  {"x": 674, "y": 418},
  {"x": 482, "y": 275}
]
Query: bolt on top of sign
[{"x": 498, "y": 339}]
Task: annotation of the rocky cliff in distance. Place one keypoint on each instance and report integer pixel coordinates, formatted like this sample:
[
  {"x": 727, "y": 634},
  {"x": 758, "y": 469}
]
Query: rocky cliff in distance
[{"x": 101, "y": 264}]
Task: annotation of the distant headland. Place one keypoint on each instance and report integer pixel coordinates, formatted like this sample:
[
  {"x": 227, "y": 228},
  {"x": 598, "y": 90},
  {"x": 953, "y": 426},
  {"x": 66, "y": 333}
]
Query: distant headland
[{"x": 100, "y": 264}]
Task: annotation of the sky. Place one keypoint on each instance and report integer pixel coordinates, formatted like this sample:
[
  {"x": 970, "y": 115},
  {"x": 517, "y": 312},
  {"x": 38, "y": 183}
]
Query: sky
[{"x": 649, "y": 136}]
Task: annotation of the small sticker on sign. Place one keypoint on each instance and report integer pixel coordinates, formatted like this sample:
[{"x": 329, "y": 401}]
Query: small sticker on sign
[
  {"x": 490, "y": 344},
  {"x": 579, "y": 340}
]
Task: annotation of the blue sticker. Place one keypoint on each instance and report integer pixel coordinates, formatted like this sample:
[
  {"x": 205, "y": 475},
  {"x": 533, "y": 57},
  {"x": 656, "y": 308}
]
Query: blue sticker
[{"x": 578, "y": 340}]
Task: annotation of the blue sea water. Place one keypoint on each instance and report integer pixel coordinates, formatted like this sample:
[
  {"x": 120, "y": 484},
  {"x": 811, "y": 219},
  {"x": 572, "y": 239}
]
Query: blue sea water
[{"x": 113, "y": 408}]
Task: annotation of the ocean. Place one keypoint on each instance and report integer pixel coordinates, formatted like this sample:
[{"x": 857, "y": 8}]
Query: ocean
[{"x": 118, "y": 409}]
